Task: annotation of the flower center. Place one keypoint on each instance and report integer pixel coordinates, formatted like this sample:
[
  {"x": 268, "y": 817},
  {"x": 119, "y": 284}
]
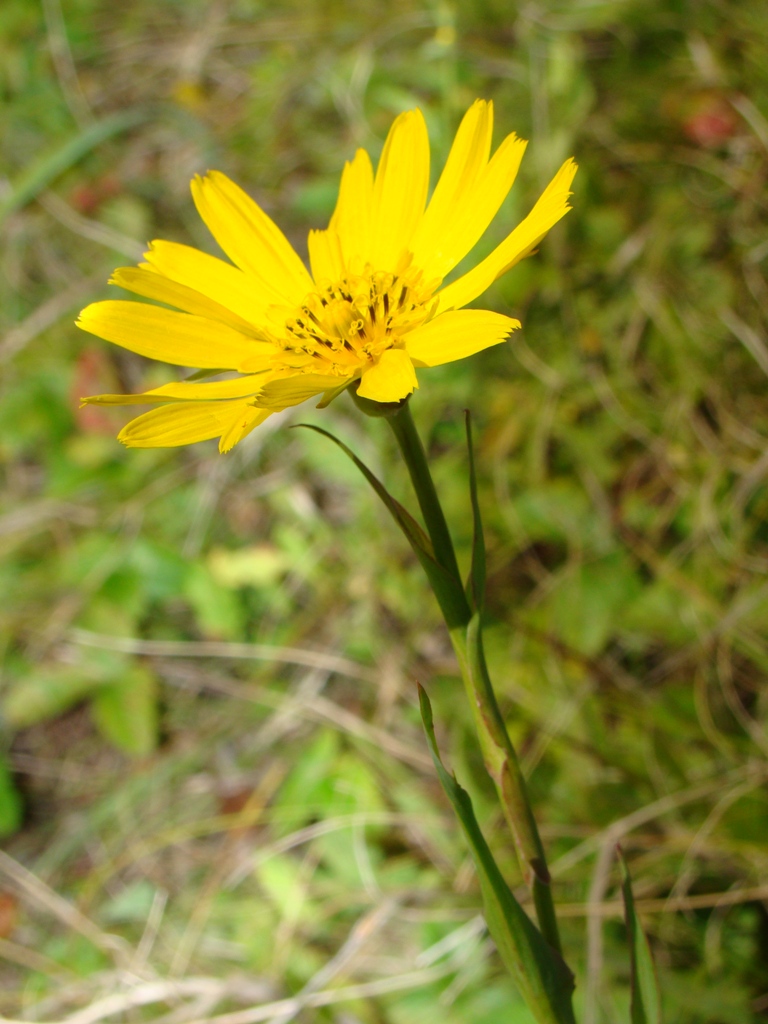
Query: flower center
[{"x": 344, "y": 327}]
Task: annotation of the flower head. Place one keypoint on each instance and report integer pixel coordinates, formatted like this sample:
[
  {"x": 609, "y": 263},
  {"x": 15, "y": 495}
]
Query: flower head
[{"x": 373, "y": 309}]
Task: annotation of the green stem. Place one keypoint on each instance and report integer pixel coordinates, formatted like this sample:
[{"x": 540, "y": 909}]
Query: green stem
[
  {"x": 500, "y": 757},
  {"x": 415, "y": 458},
  {"x": 503, "y": 766}
]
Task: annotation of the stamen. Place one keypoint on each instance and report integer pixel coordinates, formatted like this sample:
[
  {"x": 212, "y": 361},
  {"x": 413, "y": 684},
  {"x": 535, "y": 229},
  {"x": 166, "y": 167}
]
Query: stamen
[{"x": 358, "y": 317}]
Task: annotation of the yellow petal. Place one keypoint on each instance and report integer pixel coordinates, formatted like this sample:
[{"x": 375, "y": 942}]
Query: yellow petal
[
  {"x": 467, "y": 158},
  {"x": 172, "y": 337},
  {"x": 146, "y": 282},
  {"x": 438, "y": 249},
  {"x": 352, "y": 217},
  {"x": 390, "y": 379},
  {"x": 288, "y": 391},
  {"x": 325, "y": 256},
  {"x": 250, "y": 238},
  {"x": 145, "y": 398},
  {"x": 180, "y": 423},
  {"x": 551, "y": 206},
  {"x": 211, "y": 277},
  {"x": 240, "y": 387},
  {"x": 400, "y": 189},
  {"x": 457, "y": 334},
  {"x": 242, "y": 424}
]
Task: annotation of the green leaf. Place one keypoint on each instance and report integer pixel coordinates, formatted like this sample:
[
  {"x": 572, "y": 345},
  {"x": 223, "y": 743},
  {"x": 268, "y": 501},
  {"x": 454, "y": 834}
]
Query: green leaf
[
  {"x": 257, "y": 565},
  {"x": 11, "y": 806},
  {"x": 646, "y": 997},
  {"x": 307, "y": 792},
  {"x": 447, "y": 590},
  {"x": 476, "y": 581},
  {"x": 131, "y": 905},
  {"x": 125, "y": 712},
  {"x": 542, "y": 976},
  {"x": 589, "y": 602},
  {"x": 218, "y": 609},
  {"x": 47, "y": 692},
  {"x": 45, "y": 169},
  {"x": 556, "y": 510}
]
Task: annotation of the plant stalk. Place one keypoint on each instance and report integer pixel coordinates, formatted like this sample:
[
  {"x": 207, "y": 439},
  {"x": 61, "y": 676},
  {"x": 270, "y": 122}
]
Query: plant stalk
[
  {"x": 503, "y": 765},
  {"x": 415, "y": 457},
  {"x": 500, "y": 757}
]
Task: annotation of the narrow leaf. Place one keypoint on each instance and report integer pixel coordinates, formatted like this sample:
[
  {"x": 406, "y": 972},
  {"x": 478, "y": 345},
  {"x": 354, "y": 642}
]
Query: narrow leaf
[
  {"x": 541, "y": 975},
  {"x": 45, "y": 692},
  {"x": 41, "y": 172},
  {"x": 646, "y": 997},
  {"x": 126, "y": 713},
  {"x": 476, "y": 581},
  {"x": 11, "y": 808},
  {"x": 416, "y": 536},
  {"x": 447, "y": 590}
]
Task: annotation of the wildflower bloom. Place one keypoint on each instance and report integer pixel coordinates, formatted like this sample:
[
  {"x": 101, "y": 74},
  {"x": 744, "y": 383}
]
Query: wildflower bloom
[{"x": 372, "y": 310}]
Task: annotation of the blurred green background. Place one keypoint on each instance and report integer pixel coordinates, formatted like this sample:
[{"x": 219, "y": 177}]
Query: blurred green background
[{"x": 195, "y": 827}]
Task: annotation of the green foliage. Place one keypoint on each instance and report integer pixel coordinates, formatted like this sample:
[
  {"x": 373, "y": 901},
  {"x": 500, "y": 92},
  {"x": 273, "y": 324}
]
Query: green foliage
[
  {"x": 538, "y": 971},
  {"x": 126, "y": 712},
  {"x": 619, "y": 458},
  {"x": 477, "y": 574},
  {"x": 11, "y": 807},
  {"x": 589, "y": 602},
  {"x": 48, "y": 167},
  {"x": 646, "y": 998},
  {"x": 47, "y": 692},
  {"x": 445, "y": 586}
]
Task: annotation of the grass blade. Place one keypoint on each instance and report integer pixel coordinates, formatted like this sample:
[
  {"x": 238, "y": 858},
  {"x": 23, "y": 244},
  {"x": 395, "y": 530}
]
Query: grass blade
[
  {"x": 646, "y": 997},
  {"x": 48, "y": 167},
  {"x": 11, "y": 808}
]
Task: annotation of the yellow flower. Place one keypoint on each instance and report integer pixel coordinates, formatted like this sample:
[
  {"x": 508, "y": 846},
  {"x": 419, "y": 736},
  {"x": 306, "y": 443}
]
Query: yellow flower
[{"x": 372, "y": 310}]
